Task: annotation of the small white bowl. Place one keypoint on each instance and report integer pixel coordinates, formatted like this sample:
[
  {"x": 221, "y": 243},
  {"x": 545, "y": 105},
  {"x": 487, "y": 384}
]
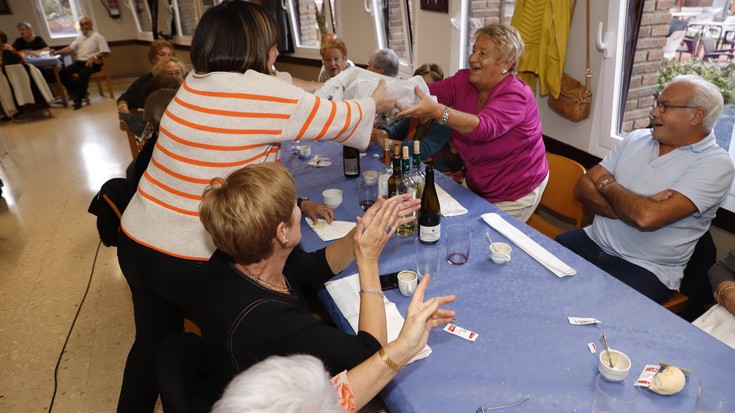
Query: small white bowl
[
  {"x": 620, "y": 361},
  {"x": 332, "y": 197}
]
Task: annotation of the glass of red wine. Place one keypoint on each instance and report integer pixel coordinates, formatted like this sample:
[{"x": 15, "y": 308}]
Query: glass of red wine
[{"x": 367, "y": 187}]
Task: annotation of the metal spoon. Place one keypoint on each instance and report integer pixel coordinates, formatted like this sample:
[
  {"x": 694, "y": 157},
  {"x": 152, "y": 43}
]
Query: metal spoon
[
  {"x": 487, "y": 409},
  {"x": 607, "y": 349},
  {"x": 487, "y": 235}
]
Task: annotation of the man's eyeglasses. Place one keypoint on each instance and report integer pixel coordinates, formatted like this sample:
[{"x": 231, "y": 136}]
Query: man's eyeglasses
[{"x": 663, "y": 107}]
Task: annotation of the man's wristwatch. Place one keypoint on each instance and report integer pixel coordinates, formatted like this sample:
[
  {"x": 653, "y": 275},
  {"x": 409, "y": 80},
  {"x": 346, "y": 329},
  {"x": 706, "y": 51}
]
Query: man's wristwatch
[
  {"x": 605, "y": 181},
  {"x": 299, "y": 200},
  {"x": 445, "y": 117}
]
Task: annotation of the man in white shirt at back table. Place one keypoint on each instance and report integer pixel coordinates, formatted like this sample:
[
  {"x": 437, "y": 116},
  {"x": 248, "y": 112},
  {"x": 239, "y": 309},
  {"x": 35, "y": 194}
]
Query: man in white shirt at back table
[{"x": 89, "y": 48}]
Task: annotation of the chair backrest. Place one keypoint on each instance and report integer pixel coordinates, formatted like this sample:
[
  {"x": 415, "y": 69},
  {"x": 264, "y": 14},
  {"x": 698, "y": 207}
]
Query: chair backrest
[
  {"x": 672, "y": 43},
  {"x": 708, "y": 43},
  {"x": 180, "y": 368},
  {"x": 695, "y": 283},
  {"x": 103, "y": 74},
  {"x": 558, "y": 197}
]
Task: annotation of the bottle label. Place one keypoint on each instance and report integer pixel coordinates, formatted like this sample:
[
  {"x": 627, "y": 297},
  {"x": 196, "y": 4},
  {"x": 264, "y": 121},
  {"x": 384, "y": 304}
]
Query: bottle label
[
  {"x": 383, "y": 185},
  {"x": 351, "y": 167},
  {"x": 430, "y": 234}
]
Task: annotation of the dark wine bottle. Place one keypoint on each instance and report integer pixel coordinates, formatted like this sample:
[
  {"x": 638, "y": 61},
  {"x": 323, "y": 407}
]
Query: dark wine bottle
[
  {"x": 351, "y": 161},
  {"x": 430, "y": 217}
]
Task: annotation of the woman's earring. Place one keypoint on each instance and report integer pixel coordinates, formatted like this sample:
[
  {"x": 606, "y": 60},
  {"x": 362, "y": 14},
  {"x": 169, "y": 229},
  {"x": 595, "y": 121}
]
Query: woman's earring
[{"x": 504, "y": 71}]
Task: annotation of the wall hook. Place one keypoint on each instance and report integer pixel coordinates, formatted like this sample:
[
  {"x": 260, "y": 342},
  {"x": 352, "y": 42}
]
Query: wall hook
[{"x": 602, "y": 42}]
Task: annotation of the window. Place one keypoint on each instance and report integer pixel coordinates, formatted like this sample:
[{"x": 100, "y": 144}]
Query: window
[
  {"x": 309, "y": 21},
  {"x": 61, "y": 17},
  {"x": 142, "y": 15}
]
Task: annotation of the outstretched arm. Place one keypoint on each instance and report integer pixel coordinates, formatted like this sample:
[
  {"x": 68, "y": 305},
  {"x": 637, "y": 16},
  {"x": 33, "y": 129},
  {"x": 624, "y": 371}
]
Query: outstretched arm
[{"x": 370, "y": 376}]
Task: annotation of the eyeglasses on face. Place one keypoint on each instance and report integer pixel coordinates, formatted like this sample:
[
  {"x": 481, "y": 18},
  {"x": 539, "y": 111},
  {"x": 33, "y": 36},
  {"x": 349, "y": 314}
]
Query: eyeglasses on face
[{"x": 663, "y": 107}]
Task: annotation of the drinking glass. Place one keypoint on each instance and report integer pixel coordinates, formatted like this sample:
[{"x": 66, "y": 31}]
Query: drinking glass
[
  {"x": 367, "y": 187},
  {"x": 459, "y": 237},
  {"x": 614, "y": 396},
  {"x": 428, "y": 257}
]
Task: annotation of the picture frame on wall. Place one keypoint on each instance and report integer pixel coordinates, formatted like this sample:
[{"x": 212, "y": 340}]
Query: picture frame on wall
[
  {"x": 4, "y": 8},
  {"x": 441, "y": 6}
]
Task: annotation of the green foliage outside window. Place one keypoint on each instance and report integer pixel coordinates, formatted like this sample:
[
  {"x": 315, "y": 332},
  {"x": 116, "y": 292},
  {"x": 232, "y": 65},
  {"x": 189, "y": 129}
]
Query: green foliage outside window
[{"x": 719, "y": 74}]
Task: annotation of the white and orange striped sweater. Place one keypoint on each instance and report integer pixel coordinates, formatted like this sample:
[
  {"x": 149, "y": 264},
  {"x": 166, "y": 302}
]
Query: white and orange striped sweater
[{"x": 217, "y": 123}]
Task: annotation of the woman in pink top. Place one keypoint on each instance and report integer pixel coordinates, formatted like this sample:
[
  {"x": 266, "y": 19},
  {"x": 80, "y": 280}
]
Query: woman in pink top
[{"x": 495, "y": 122}]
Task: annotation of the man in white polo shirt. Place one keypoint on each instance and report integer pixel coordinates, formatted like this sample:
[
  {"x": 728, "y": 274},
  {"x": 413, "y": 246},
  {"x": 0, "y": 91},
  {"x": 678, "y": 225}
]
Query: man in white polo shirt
[
  {"x": 89, "y": 48},
  {"x": 657, "y": 192}
]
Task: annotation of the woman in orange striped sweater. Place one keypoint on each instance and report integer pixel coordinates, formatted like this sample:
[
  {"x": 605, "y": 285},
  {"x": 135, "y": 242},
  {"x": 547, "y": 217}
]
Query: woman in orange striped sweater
[{"x": 230, "y": 112}]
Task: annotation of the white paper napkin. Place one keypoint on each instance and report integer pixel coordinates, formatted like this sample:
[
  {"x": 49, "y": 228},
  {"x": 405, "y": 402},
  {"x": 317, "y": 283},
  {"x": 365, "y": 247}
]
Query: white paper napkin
[
  {"x": 449, "y": 206},
  {"x": 329, "y": 232},
  {"x": 346, "y": 294},
  {"x": 536, "y": 251}
]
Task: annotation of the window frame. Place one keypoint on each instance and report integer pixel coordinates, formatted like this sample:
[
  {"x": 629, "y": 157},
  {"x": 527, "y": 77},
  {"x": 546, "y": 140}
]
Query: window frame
[
  {"x": 301, "y": 51},
  {"x": 81, "y": 8}
]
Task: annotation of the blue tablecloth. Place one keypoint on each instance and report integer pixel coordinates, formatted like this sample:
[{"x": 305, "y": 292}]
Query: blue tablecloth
[{"x": 520, "y": 309}]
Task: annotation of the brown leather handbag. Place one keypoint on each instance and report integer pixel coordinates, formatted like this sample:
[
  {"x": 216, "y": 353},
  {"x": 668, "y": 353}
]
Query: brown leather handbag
[{"x": 575, "y": 100}]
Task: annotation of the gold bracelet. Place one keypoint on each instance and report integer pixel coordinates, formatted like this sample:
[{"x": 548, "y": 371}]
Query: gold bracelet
[
  {"x": 371, "y": 291},
  {"x": 389, "y": 361},
  {"x": 729, "y": 286}
]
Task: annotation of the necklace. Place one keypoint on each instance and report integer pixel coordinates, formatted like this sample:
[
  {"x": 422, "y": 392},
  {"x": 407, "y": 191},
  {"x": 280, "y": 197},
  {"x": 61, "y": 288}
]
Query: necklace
[
  {"x": 273, "y": 286},
  {"x": 481, "y": 99}
]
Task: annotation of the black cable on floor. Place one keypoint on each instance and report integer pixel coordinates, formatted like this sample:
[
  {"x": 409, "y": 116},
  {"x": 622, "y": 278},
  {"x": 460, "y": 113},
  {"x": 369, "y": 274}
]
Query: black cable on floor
[{"x": 73, "y": 323}]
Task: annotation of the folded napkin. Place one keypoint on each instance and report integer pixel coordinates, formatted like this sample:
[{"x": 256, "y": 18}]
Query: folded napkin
[
  {"x": 329, "y": 232},
  {"x": 536, "y": 251},
  {"x": 346, "y": 294},
  {"x": 449, "y": 206},
  {"x": 319, "y": 161}
]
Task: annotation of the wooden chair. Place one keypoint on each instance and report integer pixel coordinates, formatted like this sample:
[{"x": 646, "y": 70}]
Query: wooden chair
[
  {"x": 103, "y": 74},
  {"x": 558, "y": 198}
]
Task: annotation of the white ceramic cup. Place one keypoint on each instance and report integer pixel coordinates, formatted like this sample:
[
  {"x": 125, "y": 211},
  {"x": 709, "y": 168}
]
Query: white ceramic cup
[
  {"x": 500, "y": 252},
  {"x": 407, "y": 281},
  {"x": 621, "y": 364},
  {"x": 332, "y": 197}
]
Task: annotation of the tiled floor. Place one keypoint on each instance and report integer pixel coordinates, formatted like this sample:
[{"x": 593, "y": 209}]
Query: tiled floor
[{"x": 53, "y": 168}]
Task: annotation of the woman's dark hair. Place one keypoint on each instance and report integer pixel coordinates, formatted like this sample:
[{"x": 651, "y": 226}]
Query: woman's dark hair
[
  {"x": 234, "y": 36},
  {"x": 3, "y": 37}
]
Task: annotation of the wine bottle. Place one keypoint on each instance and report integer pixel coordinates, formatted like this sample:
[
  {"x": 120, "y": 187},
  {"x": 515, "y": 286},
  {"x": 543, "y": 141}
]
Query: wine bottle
[
  {"x": 385, "y": 171},
  {"x": 406, "y": 186},
  {"x": 416, "y": 174},
  {"x": 396, "y": 176},
  {"x": 351, "y": 161},
  {"x": 430, "y": 217}
]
